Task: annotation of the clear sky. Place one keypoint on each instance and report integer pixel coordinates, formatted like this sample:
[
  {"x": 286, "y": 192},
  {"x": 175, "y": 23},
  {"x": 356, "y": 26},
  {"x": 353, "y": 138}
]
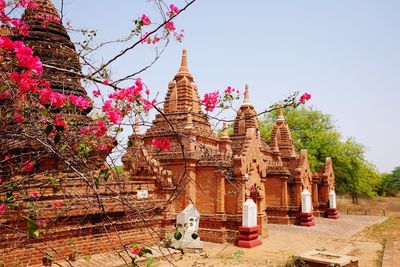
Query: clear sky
[{"x": 346, "y": 53}]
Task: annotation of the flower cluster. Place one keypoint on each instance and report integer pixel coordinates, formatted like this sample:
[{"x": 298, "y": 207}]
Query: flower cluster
[
  {"x": 19, "y": 25},
  {"x": 170, "y": 26},
  {"x": 99, "y": 129},
  {"x": 161, "y": 144},
  {"x": 304, "y": 98},
  {"x": 145, "y": 20},
  {"x": 146, "y": 38},
  {"x": 179, "y": 36},
  {"x": 3, "y": 208},
  {"x": 210, "y": 100},
  {"x": 47, "y": 18},
  {"x": 173, "y": 10}
]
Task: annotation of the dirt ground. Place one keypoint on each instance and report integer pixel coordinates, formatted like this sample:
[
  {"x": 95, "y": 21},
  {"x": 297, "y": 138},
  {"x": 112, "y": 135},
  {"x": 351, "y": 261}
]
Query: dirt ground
[{"x": 338, "y": 236}]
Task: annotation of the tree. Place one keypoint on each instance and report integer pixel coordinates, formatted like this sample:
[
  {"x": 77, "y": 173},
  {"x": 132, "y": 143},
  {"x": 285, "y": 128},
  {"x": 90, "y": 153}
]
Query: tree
[
  {"x": 391, "y": 183},
  {"x": 315, "y": 131}
]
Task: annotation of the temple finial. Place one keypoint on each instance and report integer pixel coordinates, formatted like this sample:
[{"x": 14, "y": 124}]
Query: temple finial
[
  {"x": 137, "y": 126},
  {"x": 246, "y": 100},
  {"x": 280, "y": 116},
  {"x": 224, "y": 134},
  {"x": 184, "y": 66}
]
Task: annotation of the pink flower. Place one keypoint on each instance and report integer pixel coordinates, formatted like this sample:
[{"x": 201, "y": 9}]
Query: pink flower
[
  {"x": 26, "y": 59},
  {"x": 3, "y": 208},
  {"x": 155, "y": 39},
  {"x": 304, "y": 98},
  {"x": 59, "y": 121},
  {"x": 105, "y": 82},
  {"x": 161, "y": 144},
  {"x": 27, "y": 3},
  {"x": 169, "y": 26},
  {"x": 27, "y": 166},
  {"x": 107, "y": 106},
  {"x": 20, "y": 26},
  {"x": 145, "y": 20},
  {"x": 25, "y": 82},
  {"x": 114, "y": 116},
  {"x": 18, "y": 118},
  {"x": 147, "y": 104},
  {"x": 229, "y": 90},
  {"x": 5, "y": 94},
  {"x": 136, "y": 251},
  {"x": 35, "y": 195},
  {"x": 210, "y": 100},
  {"x": 101, "y": 128},
  {"x": 96, "y": 93},
  {"x": 50, "y": 97},
  {"x": 102, "y": 147},
  {"x": 79, "y": 101},
  {"x": 41, "y": 223},
  {"x": 6, "y": 43},
  {"x": 57, "y": 204},
  {"x": 179, "y": 36},
  {"x": 173, "y": 8}
]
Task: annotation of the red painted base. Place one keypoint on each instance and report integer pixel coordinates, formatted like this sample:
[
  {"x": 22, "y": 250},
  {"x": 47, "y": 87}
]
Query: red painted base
[
  {"x": 248, "y": 237},
  {"x": 306, "y": 219},
  {"x": 332, "y": 213}
]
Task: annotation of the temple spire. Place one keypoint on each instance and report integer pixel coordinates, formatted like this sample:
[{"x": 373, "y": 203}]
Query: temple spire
[
  {"x": 184, "y": 66},
  {"x": 224, "y": 134},
  {"x": 137, "y": 126},
  {"x": 281, "y": 117},
  {"x": 246, "y": 100}
]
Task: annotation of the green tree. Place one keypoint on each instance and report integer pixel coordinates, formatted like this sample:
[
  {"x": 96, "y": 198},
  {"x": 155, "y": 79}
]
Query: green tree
[
  {"x": 391, "y": 183},
  {"x": 315, "y": 131}
]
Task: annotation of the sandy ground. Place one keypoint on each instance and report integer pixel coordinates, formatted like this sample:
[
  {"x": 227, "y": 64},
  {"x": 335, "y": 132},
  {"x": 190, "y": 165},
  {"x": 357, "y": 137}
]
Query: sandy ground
[
  {"x": 346, "y": 236},
  {"x": 338, "y": 236}
]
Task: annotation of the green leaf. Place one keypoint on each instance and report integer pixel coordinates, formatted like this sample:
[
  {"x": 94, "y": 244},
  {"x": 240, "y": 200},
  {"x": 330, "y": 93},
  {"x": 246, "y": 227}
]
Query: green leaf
[
  {"x": 33, "y": 228},
  {"x": 177, "y": 235},
  {"x": 149, "y": 261}
]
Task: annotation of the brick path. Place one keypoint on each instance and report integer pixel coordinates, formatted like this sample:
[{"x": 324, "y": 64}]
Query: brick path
[
  {"x": 336, "y": 236},
  {"x": 391, "y": 257}
]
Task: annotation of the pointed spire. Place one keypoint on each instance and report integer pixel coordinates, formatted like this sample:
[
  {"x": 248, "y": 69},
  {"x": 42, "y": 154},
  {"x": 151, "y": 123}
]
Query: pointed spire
[
  {"x": 184, "y": 66},
  {"x": 281, "y": 117},
  {"x": 224, "y": 134},
  {"x": 246, "y": 100},
  {"x": 137, "y": 126},
  {"x": 183, "y": 71}
]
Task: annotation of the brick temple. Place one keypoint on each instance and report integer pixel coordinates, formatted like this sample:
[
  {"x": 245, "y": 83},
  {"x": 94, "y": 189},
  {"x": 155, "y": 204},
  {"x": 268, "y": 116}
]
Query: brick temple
[{"x": 215, "y": 172}]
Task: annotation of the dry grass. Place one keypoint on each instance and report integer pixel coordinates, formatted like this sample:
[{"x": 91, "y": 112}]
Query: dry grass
[
  {"x": 390, "y": 206},
  {"x": 389, "y": 229}
]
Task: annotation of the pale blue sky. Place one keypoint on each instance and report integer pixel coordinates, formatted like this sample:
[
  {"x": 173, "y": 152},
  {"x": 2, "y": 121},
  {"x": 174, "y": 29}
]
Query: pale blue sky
[{"x": 346, "y": 53}]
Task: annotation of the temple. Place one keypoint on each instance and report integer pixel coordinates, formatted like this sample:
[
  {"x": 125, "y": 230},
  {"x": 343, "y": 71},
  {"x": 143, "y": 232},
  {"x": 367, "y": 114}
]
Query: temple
[{"x": 214, "y": 172}]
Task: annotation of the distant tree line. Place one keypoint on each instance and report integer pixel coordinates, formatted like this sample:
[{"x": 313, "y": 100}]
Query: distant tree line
[{"x": 315, "y": 131}]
